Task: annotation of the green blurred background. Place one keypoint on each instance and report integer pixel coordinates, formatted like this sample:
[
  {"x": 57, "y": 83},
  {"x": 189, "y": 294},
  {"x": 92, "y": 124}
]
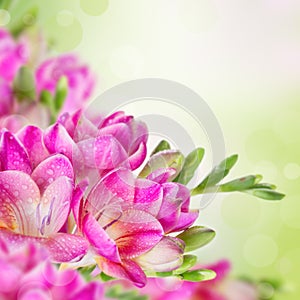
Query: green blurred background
[{"x": 243, "y": 58}]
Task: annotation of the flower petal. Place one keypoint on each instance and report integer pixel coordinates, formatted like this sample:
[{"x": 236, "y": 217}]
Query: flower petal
[
  {"x": 54, "y": 207},
  {"x": 90, "y": 291},
  {"x": 186, "y": 220},
  {"x": 13, "y": 155},
  {"x": 161, "y": 175},
  {"x": 103, "y": 152},
  {"x": 62, "y": 247},
  {"x": 166, "y": 256},
  {"x": 135, "y": 232},
  {"x": 128, "y": 270},
  {"x": 50, "y": 169},
  {"x": 19, "y": 197},
  {"x": 57, "y": 140},
  {"x": 100, "y": 240},
  {"x": 32, "y": 139},
  {"x": 138, "y": 157}
]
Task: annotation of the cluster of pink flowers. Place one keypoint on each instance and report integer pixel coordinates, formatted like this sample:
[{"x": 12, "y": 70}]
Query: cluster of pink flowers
[{"x": 70, "y": 189}]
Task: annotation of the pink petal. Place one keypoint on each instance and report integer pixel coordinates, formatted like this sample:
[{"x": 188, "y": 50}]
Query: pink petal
[
  {"x": 103, "y": 152},
  {"x": 62, "y": 247},
  {"x": 161, "y": 175},
  {"x": 19, "y": 196},
  {"x": 166, "y": 256},
  {"x": 57, "y": 140},
  {"x": 148, "y": 196},
  {"x": 135, "y": 232},
  {"x": 186, "y": 220},
  {"x": 121, "y": 183},
  {"x": 32, "y": 139},
  {"x": 14, "y": 156},
  {"x": 50, "y": 169},
  {"x": 140, "y": 134},
  {"x": 128, "y": 270},
  {"x": 77, "y": 198},
  {"x": 138, "y": 157},
  {"x": 100, "y": 240},
  {"x": 54, "y": 207},
  {"x": 115, "y": 118}
]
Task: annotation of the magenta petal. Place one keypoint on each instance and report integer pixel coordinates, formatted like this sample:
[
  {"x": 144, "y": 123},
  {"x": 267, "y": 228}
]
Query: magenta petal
[
  {"x": 148, "y": 196},
  {"x": 54, "y": 207},
  {"x": 77, "y": 198},
  {"x": 128, "y": 270},
  {"x": 65, "y": 247},
  {"x": 102, "y": 243},
  {"x": 50, "y": 169},
  {"x": 57, "y": 140},
  {"x": 166, "y": 256},
  {"x": 103, "y": 152},
  {"x": 19, "y": 196},
  {"x": 115, "y": 118},
  {"x": 121, "y": 183},
  {"x": 186, "y": 220},
  {"x": 14, "y": 156},
  {"x": 32, "y": 139},
  {"x": 62, "y": 247},
  {"x": 135, "y": 232},
  {"x": 161, "y": 175},
  {"x": 138, "y": 157}
]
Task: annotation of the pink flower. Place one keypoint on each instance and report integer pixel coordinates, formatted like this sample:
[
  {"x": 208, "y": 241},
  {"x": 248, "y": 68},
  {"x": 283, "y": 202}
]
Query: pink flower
[
  {"x": 97, "y": 148},
  {"x": 80, "y": 80},
  {"x": 12, "y": 55},
  {"x": 26, "y": 273},
  {"x": 121, "y": 218},
  {"x": 36, "y": 191}
]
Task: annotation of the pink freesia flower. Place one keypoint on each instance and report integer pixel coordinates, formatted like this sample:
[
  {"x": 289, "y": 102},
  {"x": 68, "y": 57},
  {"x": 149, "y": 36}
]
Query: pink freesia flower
[
  {"x": 80, "y": 80},
  {"x": 26, "y": 273},
  {"x": 36, "y": 192},
  {"x": 125, "y": 219},
  {"x": 96, "y": 148},
  {"x": 12, "y": 55}
]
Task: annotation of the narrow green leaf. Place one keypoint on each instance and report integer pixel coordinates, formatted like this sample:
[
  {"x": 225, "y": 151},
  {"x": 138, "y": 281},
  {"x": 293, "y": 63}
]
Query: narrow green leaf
[
  {"x": 104, "y": 277},
  {"x": 164, "y": 274},
  {"x": 60, "y": 93},
  {"x": 191, "y": 163},
  {"x": 216, "y": 175},
  {"x": 163, "y": 145},
  {"x": 196, "y": 237},
  {"x": 188, "y": 262},
  {"x": 239, "y": 184},
  {"x": 198, "y": 275},
  {"x": 164, "y": 159},
  {"x": 265, "y": 193},
  {"x": 24, "y": 85}
]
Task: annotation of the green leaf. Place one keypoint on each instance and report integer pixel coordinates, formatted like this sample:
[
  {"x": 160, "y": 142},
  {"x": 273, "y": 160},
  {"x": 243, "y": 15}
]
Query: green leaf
[
  {"x": 164, "y": 274},
  {"x": 239, "y": 184},
  {"x": 216, "y": 175},
  {"x": 265, "y": 193},
  {"x": 104, "y": 277},
  {"x": 60, "y": 93},
  {"x": 191, "y": 163},
  {"x": 198, "y": 275},
  {"x": 163, "y": 145},
  {"x": 196, "y": 237},
  {"x": 24, "y": 85},
  {"x": 188, "y": 262},
  {"x": 164, "y": 159}
]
